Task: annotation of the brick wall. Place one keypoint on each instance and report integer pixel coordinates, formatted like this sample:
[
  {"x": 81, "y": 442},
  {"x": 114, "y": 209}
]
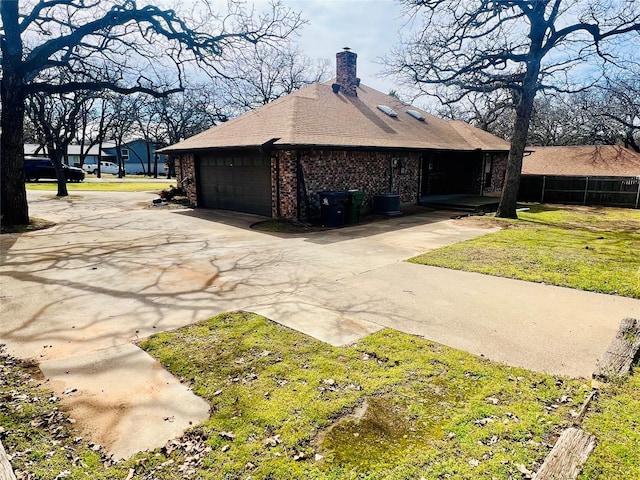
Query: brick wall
[
  {"x": 284, "y": 164},
  {"x": 498, "y": 171},
  {"x": 336, "y": 170},
  {"x": 341, "y": 170},
  {"x": 186, "y": 176}
]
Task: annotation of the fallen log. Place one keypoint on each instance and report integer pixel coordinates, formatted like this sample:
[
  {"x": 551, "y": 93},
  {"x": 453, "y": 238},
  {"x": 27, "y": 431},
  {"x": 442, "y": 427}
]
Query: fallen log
[
  {"x": 566, "y": 458},
  {"x": 621, "y": 352},
  {"x": 6, "y": 471}
]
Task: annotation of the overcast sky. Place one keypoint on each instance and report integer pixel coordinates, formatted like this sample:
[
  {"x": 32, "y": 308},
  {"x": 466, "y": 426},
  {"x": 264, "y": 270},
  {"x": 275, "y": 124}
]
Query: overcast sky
[{"x": 369, "y": 27}]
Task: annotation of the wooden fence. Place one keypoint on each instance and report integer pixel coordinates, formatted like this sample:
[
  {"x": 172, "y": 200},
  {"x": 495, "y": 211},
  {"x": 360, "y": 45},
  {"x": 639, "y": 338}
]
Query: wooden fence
[{"x": 611, "y": 191}]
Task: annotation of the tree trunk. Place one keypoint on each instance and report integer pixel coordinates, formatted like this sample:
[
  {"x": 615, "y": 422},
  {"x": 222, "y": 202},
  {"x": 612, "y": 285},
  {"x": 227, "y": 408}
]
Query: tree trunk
[
  {"x": 524, "y": 109},
  {"x": 507, "y": 206},
  {"x": 56, "y": 157},
  {"x": 119, "y": 157},
  {"x": 13, "y": 207},
  {"x": 171, "y": 166},
  {"x": 148, "y": 172}
]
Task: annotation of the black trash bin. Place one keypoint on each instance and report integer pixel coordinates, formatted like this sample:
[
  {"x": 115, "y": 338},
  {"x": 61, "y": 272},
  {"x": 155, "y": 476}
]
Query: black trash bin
[
  {"x": 332, "y": 206},
  {"x": 387, "y": 204}
]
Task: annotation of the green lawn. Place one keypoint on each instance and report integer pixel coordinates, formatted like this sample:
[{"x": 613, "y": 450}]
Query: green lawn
[
  {"x": 614, "y": 419},
  {"x": 433, "y": 411},
  {"x": 105, "y": 186},
  {"x": 286, "y": 406},
  {"x": 588, "y": 248}
]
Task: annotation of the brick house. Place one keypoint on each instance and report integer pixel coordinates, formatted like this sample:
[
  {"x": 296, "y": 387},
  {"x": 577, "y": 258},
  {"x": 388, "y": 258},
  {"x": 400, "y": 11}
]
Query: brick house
[{"x": 337, "y": 135}]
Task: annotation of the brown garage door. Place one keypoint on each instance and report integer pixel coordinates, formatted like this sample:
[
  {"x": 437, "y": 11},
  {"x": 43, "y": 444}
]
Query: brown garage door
[{"x": 236, "y": 181}]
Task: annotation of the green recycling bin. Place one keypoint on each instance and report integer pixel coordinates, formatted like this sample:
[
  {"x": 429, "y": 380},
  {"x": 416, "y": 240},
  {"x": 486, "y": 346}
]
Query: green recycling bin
[{"x": 354, "y": 206}]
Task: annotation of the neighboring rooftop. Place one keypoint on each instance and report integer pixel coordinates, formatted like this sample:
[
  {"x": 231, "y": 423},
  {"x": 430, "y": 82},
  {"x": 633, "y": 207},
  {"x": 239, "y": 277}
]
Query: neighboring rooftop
[
  {"x": 591, "y": 160},
  {"x": 34, "y": 149}
]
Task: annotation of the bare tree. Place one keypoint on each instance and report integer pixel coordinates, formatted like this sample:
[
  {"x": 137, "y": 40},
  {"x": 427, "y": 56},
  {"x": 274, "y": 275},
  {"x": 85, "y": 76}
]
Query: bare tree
[
  {"x": 556, "y": 121},
  {"x": 181, "y": 115},
  {"x": 619, "y": 106},
  {"x": 106, "y": 45},
  {"x": 264, "y": 73},
  {"x": 55, "y": 118},
  {"x": 606, "y": 114},
  {"x": 89, "y": 133},
  {"x": 122, "y": 114},
  {"x": 521, "y": 46},
  {"x": 489, "y": 111}
]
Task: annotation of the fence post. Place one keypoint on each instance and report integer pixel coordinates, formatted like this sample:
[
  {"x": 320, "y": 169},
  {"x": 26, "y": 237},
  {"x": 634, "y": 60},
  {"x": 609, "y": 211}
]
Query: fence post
[
  {"x": 586, "y": 190},
  {"x": 638, "y": 194},
  {"x": 544, "y": 182}
]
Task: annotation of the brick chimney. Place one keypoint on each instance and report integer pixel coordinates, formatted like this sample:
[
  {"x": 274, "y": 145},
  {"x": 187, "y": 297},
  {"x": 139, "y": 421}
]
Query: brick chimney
[{"x": 346, "y": 72}]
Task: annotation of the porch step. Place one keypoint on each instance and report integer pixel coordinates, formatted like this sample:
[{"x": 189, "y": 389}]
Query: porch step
[{"x": 464, "y": 203}]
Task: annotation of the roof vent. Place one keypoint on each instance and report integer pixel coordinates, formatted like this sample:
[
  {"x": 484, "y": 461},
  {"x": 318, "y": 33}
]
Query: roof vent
[
  {"x": 388, "y": 110},
  {"x": 335, "y": 87},
  {"x": 417, "y": 115}
]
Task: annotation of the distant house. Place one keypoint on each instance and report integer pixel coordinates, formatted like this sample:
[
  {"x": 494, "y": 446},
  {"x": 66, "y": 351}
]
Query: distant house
[
  {"x": 33, "y": 150},
  {"x": 588, "y": 175},
  {"x": 137, "y": 154},
  {"x": 73, "y": 153},
  {"x": 337, "y": 135}
]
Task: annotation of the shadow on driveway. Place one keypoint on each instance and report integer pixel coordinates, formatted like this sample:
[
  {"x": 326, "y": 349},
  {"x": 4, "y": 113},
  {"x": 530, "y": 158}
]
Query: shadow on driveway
[{"x": 373, "y": 225}]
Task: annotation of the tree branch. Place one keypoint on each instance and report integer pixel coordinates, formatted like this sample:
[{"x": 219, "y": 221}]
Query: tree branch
[{"x": 97, "y": 86}]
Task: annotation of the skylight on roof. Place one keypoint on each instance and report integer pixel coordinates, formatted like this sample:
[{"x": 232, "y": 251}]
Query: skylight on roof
[
  {"x": 417, "y": 115},
  {"x": 388, "y": 110}
]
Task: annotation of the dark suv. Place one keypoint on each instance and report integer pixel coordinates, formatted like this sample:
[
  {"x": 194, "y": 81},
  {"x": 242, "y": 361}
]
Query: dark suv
[{"x": 36, "y": 168}]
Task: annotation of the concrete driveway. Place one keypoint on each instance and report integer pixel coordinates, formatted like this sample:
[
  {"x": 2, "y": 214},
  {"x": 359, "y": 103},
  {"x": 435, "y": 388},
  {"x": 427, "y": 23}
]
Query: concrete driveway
[{"x": 113, "y": 271}]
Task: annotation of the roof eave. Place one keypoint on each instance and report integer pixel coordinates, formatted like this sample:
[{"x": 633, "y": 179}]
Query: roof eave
[
  {"x": 418, "y": 148},
  {"x": 299, "y": 146}
]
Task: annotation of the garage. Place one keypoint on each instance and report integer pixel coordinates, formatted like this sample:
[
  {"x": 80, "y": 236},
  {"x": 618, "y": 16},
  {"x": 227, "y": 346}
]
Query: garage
[{"x": 239, "y": 181}]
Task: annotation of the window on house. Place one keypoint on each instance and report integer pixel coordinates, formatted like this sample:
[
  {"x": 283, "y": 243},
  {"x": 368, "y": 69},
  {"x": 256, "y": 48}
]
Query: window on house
[{"x": 124, "y": 153}]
